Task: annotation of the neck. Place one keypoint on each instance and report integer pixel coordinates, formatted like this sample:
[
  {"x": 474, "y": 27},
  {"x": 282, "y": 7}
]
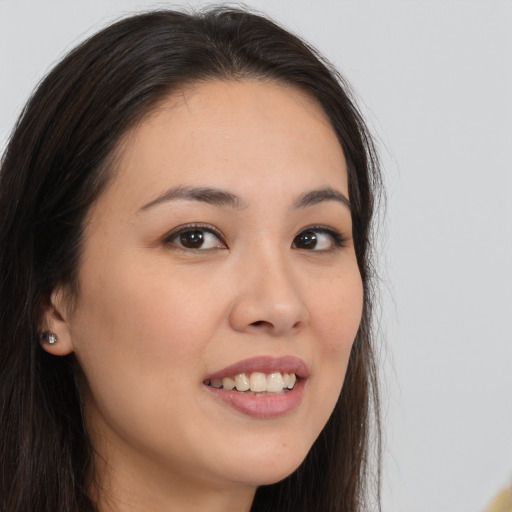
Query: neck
[
  {"x": 173, "y": 498},
  {"x": 122, "y": 484}
]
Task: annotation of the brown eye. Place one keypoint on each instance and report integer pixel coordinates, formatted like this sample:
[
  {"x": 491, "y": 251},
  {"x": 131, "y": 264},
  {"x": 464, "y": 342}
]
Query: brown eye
[
  {"x": 195, "y": 238},
  {"x": 192, "y": 239},
  {"x": 318, "y": 239},
  {"x": 305, "y": 240}
]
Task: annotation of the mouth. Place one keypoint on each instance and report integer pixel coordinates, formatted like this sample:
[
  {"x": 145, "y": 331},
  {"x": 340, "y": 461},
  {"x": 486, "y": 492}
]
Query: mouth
[
  {"x": 261, "y": 387},
  {"x": 256, "y": 383}
]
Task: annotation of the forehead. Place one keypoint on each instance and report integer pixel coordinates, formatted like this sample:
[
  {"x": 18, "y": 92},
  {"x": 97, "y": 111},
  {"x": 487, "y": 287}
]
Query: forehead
[{"x": 234, "y": 134}]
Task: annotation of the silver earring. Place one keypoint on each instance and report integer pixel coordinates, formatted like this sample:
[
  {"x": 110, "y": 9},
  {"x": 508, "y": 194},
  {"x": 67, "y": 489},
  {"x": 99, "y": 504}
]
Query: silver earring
[{"x": 49, "y": 337}]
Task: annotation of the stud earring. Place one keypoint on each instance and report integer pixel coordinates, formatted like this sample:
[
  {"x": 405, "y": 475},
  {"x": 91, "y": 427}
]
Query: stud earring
[{"x": 49, "y": 337}]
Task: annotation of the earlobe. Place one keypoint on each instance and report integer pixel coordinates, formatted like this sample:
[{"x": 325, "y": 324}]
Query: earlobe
[
  {"x": 55, "y": 336},
  {"x": 49, "y": 337}
]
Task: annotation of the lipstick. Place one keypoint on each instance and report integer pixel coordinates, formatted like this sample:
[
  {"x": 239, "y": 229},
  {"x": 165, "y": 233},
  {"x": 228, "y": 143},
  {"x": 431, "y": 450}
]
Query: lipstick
[
  {"x": 264, "y": 364},
  {"x": 261, "y": 405}
]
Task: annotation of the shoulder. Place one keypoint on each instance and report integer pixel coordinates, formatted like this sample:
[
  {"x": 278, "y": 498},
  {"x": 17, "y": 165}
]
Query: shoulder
[{"x": 502, "y": 502}]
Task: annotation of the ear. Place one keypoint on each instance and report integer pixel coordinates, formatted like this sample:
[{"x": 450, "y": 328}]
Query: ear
[{"x": 55, "y": 320}]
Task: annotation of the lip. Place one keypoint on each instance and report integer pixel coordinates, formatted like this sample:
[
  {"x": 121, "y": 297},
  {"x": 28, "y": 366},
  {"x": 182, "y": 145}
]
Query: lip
[
  {"x": 264, "y": 364},
  {"x": 262, "y": 406}
]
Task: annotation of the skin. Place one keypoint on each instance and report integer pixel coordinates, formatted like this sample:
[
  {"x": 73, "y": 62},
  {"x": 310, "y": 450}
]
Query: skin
[{"x": 153, "y": 319}]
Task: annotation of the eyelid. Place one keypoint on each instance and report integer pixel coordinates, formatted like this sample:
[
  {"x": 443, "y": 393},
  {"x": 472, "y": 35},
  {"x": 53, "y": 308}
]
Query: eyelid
[
  {"x": 338, "y": 238},
  {"x": 169, "y": 237}
]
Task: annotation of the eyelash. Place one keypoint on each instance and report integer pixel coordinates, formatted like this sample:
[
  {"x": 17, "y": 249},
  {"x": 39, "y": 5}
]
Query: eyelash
[
  {"x": 169, "y": 239},
  {"x": 338, "y": 239}
]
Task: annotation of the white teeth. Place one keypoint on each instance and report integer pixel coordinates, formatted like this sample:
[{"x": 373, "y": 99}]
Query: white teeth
[
  {"x": 258, "y": 382},
  {"x": 216, "y": 383},
  {"x": 228, "y": 383},
  {"x": 242, "y": 382},
  {"x": 275, "y": 383},
  {"x": 289, "y": 380}
]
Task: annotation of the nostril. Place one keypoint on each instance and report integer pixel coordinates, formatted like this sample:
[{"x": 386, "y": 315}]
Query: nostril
[{"x": 270, "y": 325}]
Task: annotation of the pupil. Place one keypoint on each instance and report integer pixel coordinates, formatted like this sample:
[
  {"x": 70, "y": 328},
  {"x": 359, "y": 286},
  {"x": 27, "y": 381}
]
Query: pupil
[
  {"x": 192, "y": 239},
  {"x": 306, "y": 240}
]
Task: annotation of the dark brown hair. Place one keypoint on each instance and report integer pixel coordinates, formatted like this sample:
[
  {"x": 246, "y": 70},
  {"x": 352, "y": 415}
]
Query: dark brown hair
[{"x": 56, "y": 164}]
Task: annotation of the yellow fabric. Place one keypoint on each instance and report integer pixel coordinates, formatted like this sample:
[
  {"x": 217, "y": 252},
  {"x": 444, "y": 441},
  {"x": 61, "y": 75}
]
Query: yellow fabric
[{"x": 502, "y": 502}]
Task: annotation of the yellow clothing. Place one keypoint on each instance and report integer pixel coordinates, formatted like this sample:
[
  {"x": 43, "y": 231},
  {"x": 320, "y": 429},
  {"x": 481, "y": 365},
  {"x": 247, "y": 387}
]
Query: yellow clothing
[{"x": 502, "y": 502}]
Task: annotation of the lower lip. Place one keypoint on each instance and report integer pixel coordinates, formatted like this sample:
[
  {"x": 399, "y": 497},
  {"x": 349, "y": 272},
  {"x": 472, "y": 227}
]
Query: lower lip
[{"x": 263, "y": 406}]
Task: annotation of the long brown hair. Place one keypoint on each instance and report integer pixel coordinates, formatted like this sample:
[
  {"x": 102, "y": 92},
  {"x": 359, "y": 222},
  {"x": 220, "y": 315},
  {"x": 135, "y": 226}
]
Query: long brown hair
[{"x": 56, "y": 164}]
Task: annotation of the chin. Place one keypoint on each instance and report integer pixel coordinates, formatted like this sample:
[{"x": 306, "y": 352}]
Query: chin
[{"x": 271, "y": 465}]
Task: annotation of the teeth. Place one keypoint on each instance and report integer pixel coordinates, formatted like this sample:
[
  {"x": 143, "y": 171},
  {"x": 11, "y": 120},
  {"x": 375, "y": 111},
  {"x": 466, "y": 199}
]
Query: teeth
[
  {"x": 228, "y": 383},
  {"x": 275, "y": 382},
  {"x": 291, "y": 381},
  {"x": 242, "y": 382},
  {"x": 257, "y": 382}
]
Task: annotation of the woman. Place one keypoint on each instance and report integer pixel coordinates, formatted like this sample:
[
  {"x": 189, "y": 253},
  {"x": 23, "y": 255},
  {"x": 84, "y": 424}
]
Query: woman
[{"x": 186, "y": 207}]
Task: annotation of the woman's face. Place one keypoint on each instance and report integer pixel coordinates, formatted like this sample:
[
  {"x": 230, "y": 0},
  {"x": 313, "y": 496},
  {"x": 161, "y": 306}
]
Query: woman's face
[{"x": 221, "y": 247}]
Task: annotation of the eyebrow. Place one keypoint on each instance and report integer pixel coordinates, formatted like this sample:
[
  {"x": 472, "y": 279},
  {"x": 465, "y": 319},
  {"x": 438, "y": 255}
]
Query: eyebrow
[
  {"x": 213, "y": 196},
  {"x": 218, "y": 197},
  {"x": 318, "y": 196}
]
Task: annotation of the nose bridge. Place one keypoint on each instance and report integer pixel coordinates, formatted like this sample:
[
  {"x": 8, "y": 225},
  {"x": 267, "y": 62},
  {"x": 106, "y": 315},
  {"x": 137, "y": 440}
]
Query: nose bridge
[{"x": 270, "y": 296}]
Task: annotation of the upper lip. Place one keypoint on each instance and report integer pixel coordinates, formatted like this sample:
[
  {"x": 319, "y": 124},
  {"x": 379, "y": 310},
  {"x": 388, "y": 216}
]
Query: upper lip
[{"x": 264, "y": 364}]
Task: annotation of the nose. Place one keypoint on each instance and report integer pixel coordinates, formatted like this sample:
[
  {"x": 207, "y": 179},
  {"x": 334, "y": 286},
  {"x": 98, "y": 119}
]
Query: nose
[{"x": 269, "y": 299}]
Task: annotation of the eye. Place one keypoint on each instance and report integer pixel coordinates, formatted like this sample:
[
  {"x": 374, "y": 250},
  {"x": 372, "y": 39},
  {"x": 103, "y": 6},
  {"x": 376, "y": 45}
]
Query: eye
[
  {"x": 318, "y": 239},
  {"x": 195, "y": 238}
]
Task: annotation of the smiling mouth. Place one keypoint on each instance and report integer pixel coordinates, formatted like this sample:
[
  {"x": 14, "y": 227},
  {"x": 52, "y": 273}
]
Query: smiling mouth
[{"x": 256, "y": 383}]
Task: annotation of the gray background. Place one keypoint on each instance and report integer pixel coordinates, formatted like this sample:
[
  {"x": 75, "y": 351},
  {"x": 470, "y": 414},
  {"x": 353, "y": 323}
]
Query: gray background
[{"x": 434, "y": 80}]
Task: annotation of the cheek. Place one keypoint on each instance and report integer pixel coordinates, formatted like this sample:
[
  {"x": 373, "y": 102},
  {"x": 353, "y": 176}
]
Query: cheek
[
  {"x": 139, "y": 339},
  {"x": 338, "y": 313},
  {"x": 139, "y": 332},
  {"x": 335, "y": 323},
  {"x": 133, "y": 305}
]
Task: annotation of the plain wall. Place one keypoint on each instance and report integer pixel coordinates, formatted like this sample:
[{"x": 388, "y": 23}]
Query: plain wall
[{"x": 434, "y": 79}]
